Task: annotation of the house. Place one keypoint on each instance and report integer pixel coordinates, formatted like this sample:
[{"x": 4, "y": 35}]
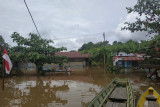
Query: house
[
  {"x": 75, "y": 59},
  {"x": 128, "y": 60}
]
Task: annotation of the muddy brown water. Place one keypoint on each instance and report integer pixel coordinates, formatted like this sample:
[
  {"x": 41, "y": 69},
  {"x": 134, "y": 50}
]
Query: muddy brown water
[{"x": 59, "y": 90}]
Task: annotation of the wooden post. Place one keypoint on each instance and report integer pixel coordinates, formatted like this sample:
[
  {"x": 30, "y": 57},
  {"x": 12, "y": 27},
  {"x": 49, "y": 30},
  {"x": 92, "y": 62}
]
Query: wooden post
[
  {"x": 104, "y": 52},
  {"x": 3, "y": 76}
]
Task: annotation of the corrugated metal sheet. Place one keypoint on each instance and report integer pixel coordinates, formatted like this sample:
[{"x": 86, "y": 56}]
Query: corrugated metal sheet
[{"x": 130, "y": 57}]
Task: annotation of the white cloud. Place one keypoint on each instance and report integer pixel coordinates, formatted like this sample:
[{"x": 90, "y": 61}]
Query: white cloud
[{"x": 124, "y": 35}]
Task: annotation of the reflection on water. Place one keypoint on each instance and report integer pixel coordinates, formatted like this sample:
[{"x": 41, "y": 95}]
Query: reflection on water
[{"x": 60, "y": 90}]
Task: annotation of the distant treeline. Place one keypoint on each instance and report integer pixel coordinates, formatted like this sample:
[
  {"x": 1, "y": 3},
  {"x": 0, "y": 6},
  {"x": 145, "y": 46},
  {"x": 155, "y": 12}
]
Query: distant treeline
[{"x": 97, "y": 50}]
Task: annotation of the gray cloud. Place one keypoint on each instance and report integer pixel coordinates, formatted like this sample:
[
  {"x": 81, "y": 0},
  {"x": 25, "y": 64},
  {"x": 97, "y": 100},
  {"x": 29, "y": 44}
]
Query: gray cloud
[{"x": 79, "y": 19}]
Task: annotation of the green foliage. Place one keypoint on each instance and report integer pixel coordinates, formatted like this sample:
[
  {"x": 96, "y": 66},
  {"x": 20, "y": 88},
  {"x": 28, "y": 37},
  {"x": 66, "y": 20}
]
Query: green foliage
[
  {"x": 151, "y": 47},
  {"x": 91, "y": 45},
  {"x": 147, "y": 47},
  {"x": 150, "y": 9},
  {"x": 131, "y": 47},
  {"x": 87, "y": 46},
  {"x": 149, "y": 18},
  {"x": 34, "y": 49}
]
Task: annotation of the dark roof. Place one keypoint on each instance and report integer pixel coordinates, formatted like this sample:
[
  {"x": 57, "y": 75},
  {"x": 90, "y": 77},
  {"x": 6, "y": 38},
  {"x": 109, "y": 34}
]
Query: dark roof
[{"x": 72, "y": 54}]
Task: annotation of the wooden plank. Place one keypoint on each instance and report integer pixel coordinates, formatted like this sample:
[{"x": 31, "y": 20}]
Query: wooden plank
[
  {"x": 156, "y": 104},
  {"x": 151, "y": 97},
  {"x": 150, "y": 104},
  {"x": 145, "y": 104},
  {"x": 96, "y": 103},
  {"x": 155, "y": 66},
  {"x": 115, "y": 104},
  {"x": 119, "y": 94},
  {"x": 114, "y": 93},
  {"x": 100, "y": 98},
  {"x": 122, "y": 105},
  {"x": 109, "y": 104},
  {"x": 153, "y": 104},
  {"x": 123, "y": 93}
]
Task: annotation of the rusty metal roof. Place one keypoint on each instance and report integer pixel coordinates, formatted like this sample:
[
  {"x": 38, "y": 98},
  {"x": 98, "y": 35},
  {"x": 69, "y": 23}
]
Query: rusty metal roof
[
  {"x": 130, "y": 57},
  {"x": 72, "y": 54}
]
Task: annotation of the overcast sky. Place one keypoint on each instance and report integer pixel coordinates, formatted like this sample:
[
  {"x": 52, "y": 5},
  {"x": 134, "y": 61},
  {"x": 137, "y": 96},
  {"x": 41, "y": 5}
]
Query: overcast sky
[{"x": 69, "y": 23}]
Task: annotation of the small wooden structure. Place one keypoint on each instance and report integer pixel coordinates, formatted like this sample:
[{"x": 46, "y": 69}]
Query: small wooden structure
[
  {"x": 117, "y": 94},
  {"x": 148, "y": 66}
]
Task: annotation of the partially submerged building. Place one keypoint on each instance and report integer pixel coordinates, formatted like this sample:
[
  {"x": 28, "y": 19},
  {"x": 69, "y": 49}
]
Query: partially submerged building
[
  {"x": 28, "y": 68},
  {"x": 128, "y": 60},
  {"x": 75, "y": 59}
]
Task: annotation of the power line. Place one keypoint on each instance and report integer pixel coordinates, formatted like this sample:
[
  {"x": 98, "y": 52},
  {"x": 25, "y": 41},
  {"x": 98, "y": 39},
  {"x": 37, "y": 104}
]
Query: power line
[
  {"x": 72, "y": 48},
  {"x": 71, "y": 37},
  {"x": 32, "y": 18}
]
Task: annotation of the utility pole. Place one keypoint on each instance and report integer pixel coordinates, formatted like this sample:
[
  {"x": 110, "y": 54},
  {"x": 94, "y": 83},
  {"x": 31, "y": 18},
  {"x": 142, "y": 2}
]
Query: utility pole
[{"x": 104, "y": 52}]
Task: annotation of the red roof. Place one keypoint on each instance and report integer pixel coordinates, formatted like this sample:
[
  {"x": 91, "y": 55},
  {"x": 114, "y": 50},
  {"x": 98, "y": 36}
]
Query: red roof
[{"x": 72, "y": 54}]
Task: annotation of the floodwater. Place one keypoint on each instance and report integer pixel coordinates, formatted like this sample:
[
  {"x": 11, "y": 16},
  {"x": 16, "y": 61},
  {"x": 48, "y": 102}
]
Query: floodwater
[{"x": 59, "y": 90}]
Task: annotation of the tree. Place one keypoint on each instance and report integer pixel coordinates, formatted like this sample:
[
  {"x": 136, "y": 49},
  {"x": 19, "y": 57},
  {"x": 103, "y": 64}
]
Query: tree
[
  {"x": 87, "y": 46},
  {"x": 100, "y": 44},
  {"x": 34, "y": 49},
  {"x": 115, "y": 42},
  {"x": 91, "y": 45},
  {"x": 150, "y": 9},
  {"x": 149, "y": 18}
]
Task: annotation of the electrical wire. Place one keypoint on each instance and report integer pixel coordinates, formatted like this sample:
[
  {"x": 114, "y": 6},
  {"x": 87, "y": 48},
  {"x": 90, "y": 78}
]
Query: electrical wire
[
  {"x": 37, "y": 28},
  {"x": 32, "y": 18},
  {"x": 89, "y": 35}
]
